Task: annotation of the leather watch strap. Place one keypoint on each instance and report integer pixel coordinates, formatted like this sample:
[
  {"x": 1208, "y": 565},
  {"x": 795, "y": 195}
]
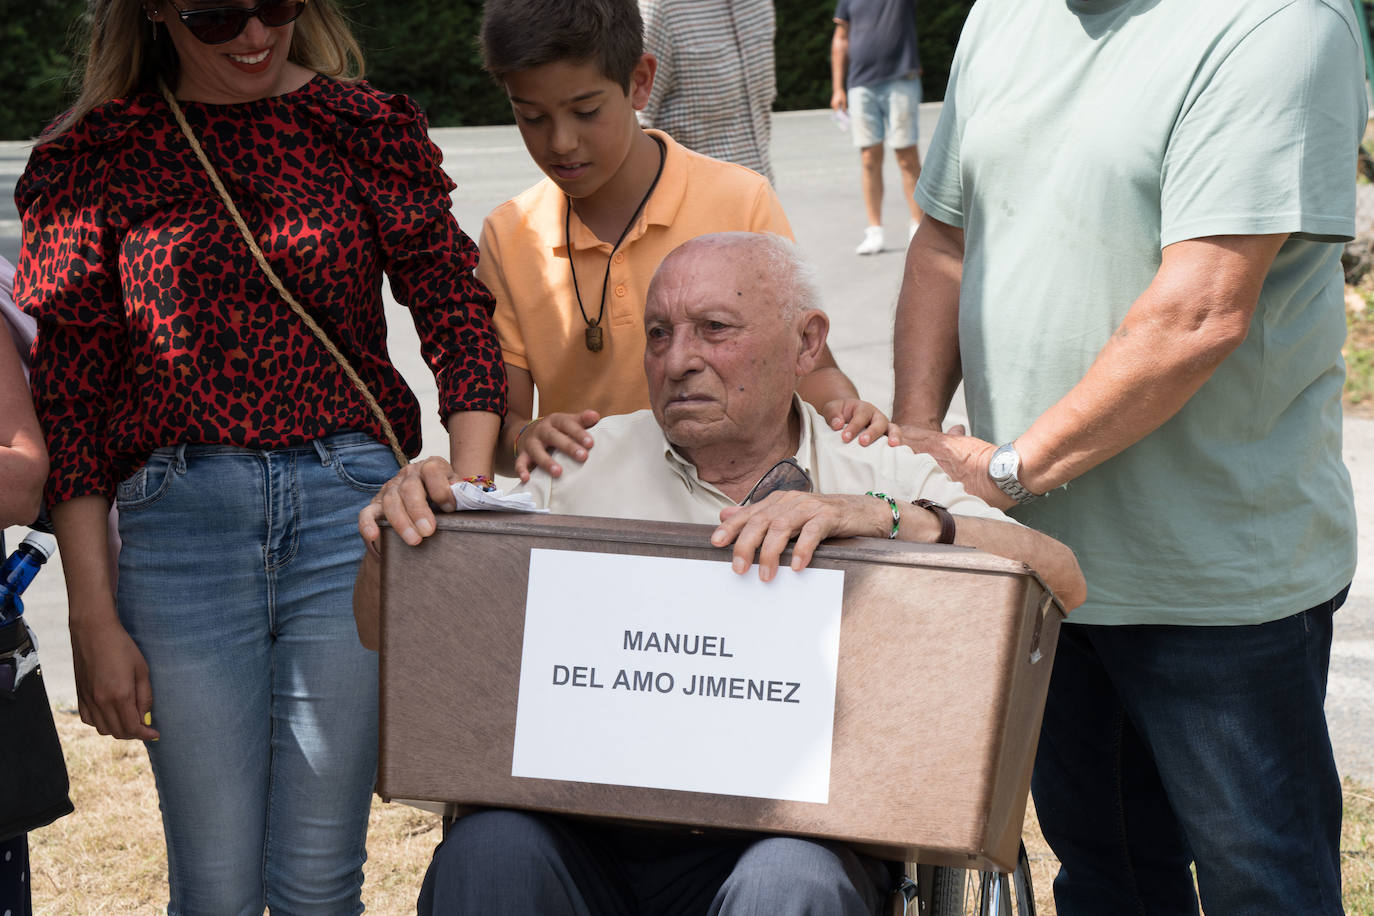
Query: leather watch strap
[{"x": 943, "y": 514}]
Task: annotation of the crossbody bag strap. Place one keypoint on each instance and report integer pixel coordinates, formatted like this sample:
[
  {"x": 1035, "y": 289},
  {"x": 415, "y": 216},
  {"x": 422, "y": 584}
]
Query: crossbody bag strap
[{"x": 272, "y": 277}]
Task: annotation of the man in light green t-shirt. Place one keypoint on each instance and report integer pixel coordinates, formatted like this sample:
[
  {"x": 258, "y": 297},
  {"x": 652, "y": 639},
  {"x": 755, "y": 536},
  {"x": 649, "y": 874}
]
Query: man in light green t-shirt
[{"x": 1130, "y": 259}]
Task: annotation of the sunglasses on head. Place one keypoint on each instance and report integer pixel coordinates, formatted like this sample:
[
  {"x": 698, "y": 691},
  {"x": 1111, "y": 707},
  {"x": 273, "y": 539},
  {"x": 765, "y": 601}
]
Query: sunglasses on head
[{"x": 225, "y": 23}]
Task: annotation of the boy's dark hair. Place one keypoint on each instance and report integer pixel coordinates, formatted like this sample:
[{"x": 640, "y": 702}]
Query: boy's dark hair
[{"x": 523, "y": 34}]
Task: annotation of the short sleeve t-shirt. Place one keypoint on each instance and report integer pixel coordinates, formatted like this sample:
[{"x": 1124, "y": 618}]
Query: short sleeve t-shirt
[
  {"x": 882, "y": 40},
  {"x": 1071, "y": 151}
]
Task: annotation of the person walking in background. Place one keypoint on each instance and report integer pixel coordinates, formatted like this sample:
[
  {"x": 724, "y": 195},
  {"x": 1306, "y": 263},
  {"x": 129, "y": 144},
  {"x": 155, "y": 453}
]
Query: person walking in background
[
  {"x": 875, "y": 69},
  {"x": 1132, "y": 259},
  {"x": 172, "y": 374},
  {"x": 715, "y": 84},
  {"x": 23, "y": 467}
]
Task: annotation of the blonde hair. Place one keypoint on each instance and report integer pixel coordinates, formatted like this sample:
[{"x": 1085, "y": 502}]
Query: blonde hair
[{"x": 122, "y": 56}]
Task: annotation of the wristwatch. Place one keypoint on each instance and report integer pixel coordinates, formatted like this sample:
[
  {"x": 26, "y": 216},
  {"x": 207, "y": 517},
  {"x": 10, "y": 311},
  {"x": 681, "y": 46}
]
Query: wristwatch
[{"x": 1002, "y": 469}]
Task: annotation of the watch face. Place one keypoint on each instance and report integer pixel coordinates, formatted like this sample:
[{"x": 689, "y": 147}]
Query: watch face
[{"x": 1003, "y": 464}]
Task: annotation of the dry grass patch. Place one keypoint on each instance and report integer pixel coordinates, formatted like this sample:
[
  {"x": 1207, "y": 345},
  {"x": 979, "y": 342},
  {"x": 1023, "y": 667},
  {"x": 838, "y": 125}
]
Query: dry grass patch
[
  {"x": 108, "y": 857},
  {"x": 1357, "y": 850},
  {"x": 1359, "y": 348}
]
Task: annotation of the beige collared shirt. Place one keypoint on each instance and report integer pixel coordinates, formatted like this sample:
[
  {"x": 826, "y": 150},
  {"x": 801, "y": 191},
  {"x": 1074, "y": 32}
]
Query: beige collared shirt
[{"x": 632, "y": 471}]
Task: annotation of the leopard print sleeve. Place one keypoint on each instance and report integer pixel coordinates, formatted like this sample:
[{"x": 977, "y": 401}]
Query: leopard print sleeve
[
  {"x": 429, "y": 260},
  {"x": 68, "y": 280}
]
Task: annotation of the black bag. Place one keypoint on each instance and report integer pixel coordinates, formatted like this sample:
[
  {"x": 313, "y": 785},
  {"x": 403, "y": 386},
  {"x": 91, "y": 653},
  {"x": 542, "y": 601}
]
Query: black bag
[{"x": 33, "y": 776}]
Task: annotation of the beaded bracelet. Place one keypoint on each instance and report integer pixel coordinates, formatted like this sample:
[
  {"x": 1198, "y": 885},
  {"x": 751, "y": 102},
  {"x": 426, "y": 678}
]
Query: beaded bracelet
[
  {"x": 481, "y": 481},
  {"x": 516, "y": 447},
  {"x": 896, "y": 515}
]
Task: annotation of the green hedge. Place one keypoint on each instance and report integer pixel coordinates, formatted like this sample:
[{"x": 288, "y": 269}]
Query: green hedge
[
  {"x": 34, "y": 70},
  {"x": 802, "y": 49},
  {"x": 426, "y": 49}
]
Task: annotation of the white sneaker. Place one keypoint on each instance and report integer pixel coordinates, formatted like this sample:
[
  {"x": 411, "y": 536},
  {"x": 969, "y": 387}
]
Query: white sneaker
[
  {"x": 873, "y": 241},
  {"x": 911, "y": 230}
]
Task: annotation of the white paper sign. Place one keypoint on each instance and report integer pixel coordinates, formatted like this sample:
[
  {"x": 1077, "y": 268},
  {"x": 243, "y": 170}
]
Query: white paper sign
[{"x": 678, "y": 674}]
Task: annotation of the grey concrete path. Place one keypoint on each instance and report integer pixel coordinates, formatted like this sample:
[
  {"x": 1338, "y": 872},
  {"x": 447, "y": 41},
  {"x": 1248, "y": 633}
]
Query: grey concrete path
[{"x": 818, "y": 181}]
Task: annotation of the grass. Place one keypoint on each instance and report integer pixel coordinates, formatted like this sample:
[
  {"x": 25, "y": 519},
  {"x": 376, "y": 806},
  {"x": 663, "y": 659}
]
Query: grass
[
  {"x": 108, "y": 857},
  {"x": 1359, "y": 349}
]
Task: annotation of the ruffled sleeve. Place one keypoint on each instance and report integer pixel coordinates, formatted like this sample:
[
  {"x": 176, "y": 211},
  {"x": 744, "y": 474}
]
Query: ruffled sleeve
[
  {"x": 428, "y": 258},
  {"x": 68, "y": 280}
]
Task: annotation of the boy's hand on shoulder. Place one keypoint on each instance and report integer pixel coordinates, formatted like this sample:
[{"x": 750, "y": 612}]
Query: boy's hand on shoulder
[
  {"x": 557, "y": 432},
  {"x": 855, "y": 418}
]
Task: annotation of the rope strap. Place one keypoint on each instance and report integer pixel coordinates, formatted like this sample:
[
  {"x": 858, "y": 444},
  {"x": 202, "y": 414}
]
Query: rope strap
[{"x": 272, "y": 277}]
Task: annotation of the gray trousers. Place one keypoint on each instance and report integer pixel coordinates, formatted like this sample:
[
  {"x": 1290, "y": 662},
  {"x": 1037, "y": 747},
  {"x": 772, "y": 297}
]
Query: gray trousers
[{"x": 520, "y": 863}]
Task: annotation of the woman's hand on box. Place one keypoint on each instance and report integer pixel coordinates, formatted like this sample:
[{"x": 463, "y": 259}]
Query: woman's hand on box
[{"x": 407, "y": 502}]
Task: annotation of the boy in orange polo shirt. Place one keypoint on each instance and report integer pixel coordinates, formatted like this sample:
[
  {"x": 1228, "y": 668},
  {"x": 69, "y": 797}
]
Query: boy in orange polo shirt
[{"x": 569, "y": 261}]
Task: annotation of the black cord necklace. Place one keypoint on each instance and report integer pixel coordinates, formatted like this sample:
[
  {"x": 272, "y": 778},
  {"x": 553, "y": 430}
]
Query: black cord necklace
[{"x": 593, "y": 332}]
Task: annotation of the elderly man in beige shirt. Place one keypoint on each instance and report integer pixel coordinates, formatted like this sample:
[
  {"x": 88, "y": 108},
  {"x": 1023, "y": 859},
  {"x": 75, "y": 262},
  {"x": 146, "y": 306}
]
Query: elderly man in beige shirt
[{"x": 732, "y": 321}]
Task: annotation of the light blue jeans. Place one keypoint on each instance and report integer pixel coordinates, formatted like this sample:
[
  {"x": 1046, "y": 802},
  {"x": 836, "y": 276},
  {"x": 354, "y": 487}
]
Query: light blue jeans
[{"x": 235, "y": 581}]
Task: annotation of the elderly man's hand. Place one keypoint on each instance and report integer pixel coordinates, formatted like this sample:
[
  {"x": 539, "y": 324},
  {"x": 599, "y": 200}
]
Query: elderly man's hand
[
  {"x": 557, "y": 432},
  {"x": 766, "y": 527},
  {"x": 964, "y": 458},
  {"x": 855, "y": 418},
  {"x": 404, "y": 501}
]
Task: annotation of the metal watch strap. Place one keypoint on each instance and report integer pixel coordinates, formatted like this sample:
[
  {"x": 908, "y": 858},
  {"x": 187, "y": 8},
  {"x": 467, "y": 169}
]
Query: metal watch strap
[
  {"x": 1012, "y": 487},
  {"x": 943, "y": 514},
  {"x": 1011, "y": 484}
]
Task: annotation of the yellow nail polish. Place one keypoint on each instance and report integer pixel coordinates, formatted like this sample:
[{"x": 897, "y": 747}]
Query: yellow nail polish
[{"x": 147, "y": 718}]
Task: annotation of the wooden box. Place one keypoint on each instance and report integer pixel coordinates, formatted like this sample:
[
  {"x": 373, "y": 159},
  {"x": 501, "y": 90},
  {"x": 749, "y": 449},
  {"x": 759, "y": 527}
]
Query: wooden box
[{"x": 944, "y": 663}]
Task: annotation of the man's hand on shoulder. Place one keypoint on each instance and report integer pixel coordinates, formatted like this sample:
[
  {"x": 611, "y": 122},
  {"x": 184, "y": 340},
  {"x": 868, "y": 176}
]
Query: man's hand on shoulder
[
  {"x": 564, "y": 433},
  {"x": 964, "y": 458}
]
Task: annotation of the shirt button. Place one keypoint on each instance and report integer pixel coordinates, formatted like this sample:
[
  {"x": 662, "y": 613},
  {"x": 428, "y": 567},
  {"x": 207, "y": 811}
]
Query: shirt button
[
  {"x": 620, "y": 290},
  {"x": 620, "y": 257}
]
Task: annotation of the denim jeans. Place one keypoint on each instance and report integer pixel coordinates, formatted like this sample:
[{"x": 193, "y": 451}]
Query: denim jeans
[
  {"x": 1164, "y": 745},
  {"x": 235, "y": 581}
]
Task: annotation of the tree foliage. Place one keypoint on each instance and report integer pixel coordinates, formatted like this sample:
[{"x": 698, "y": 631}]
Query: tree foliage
[
  {"x": 427, "y": 49},
  {"x": 34, "y": 71},
  {"x": 802, "y": 48}
]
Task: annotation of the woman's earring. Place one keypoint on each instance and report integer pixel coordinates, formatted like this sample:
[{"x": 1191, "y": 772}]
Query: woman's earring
[{"x": 149, "y": 14}]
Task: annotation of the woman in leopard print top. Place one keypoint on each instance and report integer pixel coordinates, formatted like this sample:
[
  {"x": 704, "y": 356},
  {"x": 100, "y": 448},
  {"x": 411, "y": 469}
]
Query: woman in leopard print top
[{"x": 172, "y": 378}]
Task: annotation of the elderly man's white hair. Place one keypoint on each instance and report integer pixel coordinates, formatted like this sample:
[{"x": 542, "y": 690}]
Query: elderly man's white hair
[{"x": 790, "y": 275}]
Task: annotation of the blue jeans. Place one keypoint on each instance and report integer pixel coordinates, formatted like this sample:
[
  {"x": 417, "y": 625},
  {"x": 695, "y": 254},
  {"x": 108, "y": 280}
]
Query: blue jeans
[
  {"x": 235, "y": 581},
  {"x": 1164, "y": 745},
  {"x": 513, "y": 863}
]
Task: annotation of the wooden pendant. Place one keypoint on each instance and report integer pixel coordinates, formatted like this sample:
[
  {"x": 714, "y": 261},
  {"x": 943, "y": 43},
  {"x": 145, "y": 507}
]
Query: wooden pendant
[{"x": 594, "y": 338}]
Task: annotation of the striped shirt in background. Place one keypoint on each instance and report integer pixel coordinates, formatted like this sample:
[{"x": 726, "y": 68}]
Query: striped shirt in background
[{"x": 715, "y": 85}]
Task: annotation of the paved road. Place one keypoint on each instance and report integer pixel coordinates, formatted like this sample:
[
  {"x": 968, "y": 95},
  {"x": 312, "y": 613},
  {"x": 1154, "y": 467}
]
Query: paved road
[{"x": 818, "y": 180}]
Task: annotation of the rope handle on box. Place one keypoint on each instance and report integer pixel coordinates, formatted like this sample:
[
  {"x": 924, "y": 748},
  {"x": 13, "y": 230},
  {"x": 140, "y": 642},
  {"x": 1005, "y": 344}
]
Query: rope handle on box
[{"x": 376, "y": 408}]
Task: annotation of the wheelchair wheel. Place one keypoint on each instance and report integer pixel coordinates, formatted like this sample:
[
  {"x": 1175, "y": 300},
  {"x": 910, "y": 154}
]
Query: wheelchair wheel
[{"x": 962, "y": 892}]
